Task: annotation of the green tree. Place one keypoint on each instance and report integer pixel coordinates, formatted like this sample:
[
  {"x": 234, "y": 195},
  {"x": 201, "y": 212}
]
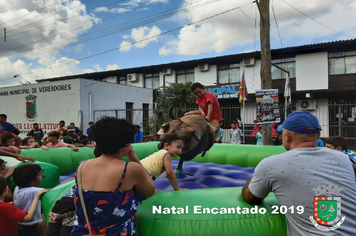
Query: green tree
[{"x": 177, "y": 94}]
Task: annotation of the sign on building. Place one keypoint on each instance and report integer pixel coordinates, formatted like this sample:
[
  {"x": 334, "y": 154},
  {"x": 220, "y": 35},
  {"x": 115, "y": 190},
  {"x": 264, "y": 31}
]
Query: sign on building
[{"x": 267, "y": 106}]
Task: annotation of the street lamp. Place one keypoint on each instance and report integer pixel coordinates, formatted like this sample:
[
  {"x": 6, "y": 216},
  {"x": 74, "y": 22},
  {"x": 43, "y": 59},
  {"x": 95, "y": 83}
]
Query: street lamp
[{"x": 27, "y": 82}]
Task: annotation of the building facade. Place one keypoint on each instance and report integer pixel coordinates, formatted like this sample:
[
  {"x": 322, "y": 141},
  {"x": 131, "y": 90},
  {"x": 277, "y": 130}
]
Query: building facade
[
  {"x": 322, "y": 80},
  {"x": 75, "y": 100}
]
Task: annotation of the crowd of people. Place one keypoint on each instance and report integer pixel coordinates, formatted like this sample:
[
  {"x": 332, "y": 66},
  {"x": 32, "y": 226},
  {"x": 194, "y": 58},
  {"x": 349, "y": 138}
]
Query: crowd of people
[{"x": 105, "y": 202}]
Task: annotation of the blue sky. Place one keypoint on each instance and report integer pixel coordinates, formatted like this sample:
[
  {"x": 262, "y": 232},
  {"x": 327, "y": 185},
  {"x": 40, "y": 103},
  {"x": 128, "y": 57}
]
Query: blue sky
[{"x": 52, "y": 38}]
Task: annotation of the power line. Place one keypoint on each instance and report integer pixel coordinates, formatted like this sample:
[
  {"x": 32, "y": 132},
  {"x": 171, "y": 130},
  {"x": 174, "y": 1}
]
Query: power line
[
  {"x": 39, "y": 9},
  {"x": 316, "y": 20},
  {"x": 41, "y": 19},
  {"x": 116, "y": 48},
  {"x": 171, "y": 12},
  {"x": 66, "y": 20}
]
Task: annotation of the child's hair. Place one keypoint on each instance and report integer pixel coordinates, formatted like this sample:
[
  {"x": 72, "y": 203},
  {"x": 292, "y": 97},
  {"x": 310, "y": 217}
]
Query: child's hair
[
  {"x": 15, "y": 131},
  {"x": 195, "y": 86},
  {"x": 54, "y": 134},
  {"x": 3, "y": 184},
  {"x": 85, "y": 141},
  {"x": 169, "y": 138},
  {"x": 1, "y": 161},
  {"x": 337, "y": 141},
  {"x": 112, "y": 134},
  {"x": 149, "y": 139},
  {"x": 25, "y": 140},
  {"x": 6, "y": 136},
  {"x": 25, "y": 174},
  {"x": 3, "y": 116}
]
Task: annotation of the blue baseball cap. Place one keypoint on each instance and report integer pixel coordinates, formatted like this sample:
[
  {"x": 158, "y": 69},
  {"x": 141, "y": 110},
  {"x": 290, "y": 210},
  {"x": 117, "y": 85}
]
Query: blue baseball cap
[
  {"x": 279, "y": 128},
  {"x": 302, "y": 122}
]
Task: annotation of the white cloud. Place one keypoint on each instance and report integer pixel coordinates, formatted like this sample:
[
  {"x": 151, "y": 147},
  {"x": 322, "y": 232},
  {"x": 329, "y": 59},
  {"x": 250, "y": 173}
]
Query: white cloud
[
  {"x": 36, "y": 38},
  {"x": 97, "y": 67},
  {"x": 141, "y": 36},
  {"x": 113, "y": 67},
  {"x": 125, "y": 46},
  {"x": 88, "y": 71},
  {"x": 101, "y": 9},
  {"x": 113, "y": 10},
  {"x": 237, "y": 28},
  {"x": 79, "y": 47},
  {"x": 56, "y": 68},
  {"x": 145, "y": 35}
]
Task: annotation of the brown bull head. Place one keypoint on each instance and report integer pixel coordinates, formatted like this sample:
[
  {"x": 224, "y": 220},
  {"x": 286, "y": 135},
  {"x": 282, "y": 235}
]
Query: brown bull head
[{"x": 182, "y": 129}]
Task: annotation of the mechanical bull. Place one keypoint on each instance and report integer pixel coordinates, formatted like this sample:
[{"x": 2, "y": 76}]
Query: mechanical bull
[{"x": 197, "y": 135}]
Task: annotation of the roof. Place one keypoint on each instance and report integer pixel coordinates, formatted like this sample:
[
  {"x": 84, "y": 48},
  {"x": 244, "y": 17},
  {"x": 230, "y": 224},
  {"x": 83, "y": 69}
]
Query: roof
[{"x": 334, "y": 46}]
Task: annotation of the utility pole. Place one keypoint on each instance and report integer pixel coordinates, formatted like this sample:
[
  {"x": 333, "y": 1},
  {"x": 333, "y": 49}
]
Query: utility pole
[{"x": 265, "y": 72}]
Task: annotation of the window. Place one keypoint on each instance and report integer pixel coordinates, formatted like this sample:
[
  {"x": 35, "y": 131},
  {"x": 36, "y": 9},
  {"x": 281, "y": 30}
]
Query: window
[
  {"x": 342, "y": 63},
  {"x": 129, "y": 111},
  {"x": 286, "y": 63},
  {"x": 123, "y": 80},
  {"x": 184, "y": 76},
  {"x": 145, "y": 118},
  {"x": 152, "y": 80},
  {"x": 229, "y": 74}
]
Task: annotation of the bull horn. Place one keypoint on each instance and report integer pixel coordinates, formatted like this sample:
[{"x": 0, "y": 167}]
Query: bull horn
[
  {"x": 171, "y": 113},
  {"x": 196, "y": 136}
]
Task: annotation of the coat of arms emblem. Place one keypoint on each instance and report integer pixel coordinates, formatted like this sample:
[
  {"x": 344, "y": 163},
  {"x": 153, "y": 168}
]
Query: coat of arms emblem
[
  {"x": 31, "y": 109},
  {"x": 327, "y": 210}
]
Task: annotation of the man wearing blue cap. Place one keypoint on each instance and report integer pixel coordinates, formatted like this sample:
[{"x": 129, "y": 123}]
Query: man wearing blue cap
[{"x": 318, "y": 180}]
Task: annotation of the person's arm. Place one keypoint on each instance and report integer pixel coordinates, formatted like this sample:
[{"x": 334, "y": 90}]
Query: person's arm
[
  {"x": 14, "y": 155},
  {"x": 202, "y": 112},
  {"x": 9, "y": 171},
  {"x": 73, "y": 147},
  {"x": 32, "y": 211},
  {"x": 210, "y": 111},
  {"x": 144, "y": 183},
  {"x": 170, "y": 172},
  {"x": 195, "y": 112},
  {"x": 30, "y": 134},
  {"x": 18, "y": 140},
  {"x": 34, "y": 145},
  {"x": 131, "y": 155},
  {"x": 45, "y": 141},
  {"x": 44, "y": 147},
  {"x": 24, "y": 147},
  {"x": 248, "y": 196}
]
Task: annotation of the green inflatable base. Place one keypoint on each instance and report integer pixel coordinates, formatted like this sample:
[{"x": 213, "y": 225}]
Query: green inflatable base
[{"x": 157, "y": 216}]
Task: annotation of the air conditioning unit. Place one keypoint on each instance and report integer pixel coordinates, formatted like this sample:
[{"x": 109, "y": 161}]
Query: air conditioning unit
[
  {"x": 167, "y": 71},
  {"x": 204, "y": 67},
  {"x": 249, "y": 62},
  {"x": 308, "y": 105},
  {"x": 132, "y": 77}
]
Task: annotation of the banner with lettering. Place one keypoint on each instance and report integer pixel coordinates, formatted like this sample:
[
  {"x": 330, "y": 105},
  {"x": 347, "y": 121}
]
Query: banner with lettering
[
  {"x": 267, "y": 106},
  {"x": 225, "y": 91}
]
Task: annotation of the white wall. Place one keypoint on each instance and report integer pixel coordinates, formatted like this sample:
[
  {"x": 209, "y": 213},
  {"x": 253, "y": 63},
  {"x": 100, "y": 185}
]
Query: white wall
[
  {"x": 322, "y": 112},
  {"x": 107, "y": 96},
  {"x": 52, "y": 106},
  {"x": 206, "y": 78},
  {"x": 312, "y": 71},
  {"x": 252, "y": 76}
]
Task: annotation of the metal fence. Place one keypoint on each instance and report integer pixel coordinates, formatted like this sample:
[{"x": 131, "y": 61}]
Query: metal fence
[{"x": 336, "y": 118}]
